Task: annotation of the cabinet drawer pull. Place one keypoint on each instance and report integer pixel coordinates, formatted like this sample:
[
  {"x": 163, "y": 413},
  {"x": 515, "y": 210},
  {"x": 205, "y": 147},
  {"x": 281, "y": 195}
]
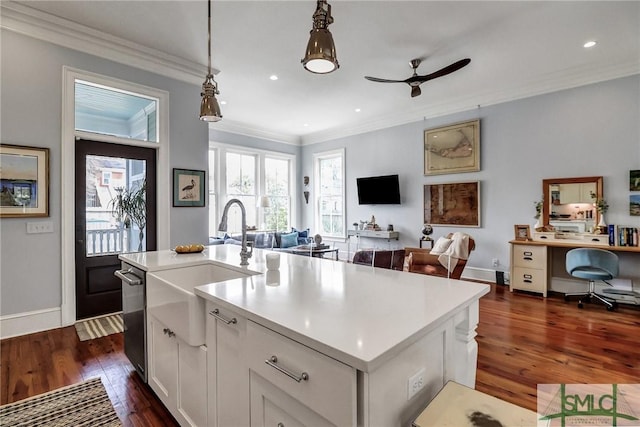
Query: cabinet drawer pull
[
  {"x": 595, "y": 240},
  {"x": 528, "y": 253},
  {"x": 273, "y": 362},
  {"x": 527, "y": 278},
  {"x": 543, "y": 237},
  {"x": 528, "y": 258},
  {"x": 169, "y": 332},
  {"x": 216, "y": 313}
]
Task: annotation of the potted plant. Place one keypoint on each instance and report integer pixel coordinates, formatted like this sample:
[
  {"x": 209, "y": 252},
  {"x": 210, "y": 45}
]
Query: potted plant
[
  {"x": 130, "y": 206},
  {"x": 601, "y": 206},
  {"x": 538, "y": 206}
]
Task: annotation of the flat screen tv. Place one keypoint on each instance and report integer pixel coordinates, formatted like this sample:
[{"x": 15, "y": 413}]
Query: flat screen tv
[{"x": 378, "y": 190}]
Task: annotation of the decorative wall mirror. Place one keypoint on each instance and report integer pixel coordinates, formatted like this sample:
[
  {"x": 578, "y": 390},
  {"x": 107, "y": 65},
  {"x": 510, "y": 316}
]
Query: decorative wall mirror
[{"x": 568, "y": 205}]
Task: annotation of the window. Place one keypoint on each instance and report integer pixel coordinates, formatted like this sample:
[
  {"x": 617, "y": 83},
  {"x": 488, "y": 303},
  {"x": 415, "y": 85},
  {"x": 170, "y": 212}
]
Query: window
[
  {"x": 238, "y": 173},
  {"x": 241, "y": 185},
  {"x": 277, "y": 188},
  {"x": 109, "y": 111},
  {"x": 329, "y": 209}
]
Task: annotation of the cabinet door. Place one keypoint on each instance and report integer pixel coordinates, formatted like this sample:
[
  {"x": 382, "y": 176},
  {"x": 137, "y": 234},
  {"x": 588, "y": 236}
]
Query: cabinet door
[
  {"x": 232, "y": 371},
  {"x": 585, "y": 192},
  {"x": 192, "y": 384},
  {"x": 270, "y": 406},
  {"x": 569, "y": 193},
  {"x": 163, "y": 363}
]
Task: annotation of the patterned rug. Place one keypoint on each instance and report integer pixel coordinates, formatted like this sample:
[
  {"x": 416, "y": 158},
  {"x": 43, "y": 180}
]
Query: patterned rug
[
  {"x": 85, "y": 404},
  {"x": 99, "y": 327}
]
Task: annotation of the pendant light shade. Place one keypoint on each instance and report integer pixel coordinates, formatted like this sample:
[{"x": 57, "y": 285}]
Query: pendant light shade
[
  {"x": 320, "y": 56},
  {"x": 209, "y": 107}
]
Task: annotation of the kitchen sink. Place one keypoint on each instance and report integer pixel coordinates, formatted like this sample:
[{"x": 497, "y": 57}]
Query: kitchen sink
[{"x": 171, "y": 299}]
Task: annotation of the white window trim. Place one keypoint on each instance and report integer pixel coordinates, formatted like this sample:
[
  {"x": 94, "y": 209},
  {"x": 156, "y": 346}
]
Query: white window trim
[
  {"x": 69, "y": 135},
  {"x": 221, "y": 175},
  {"x": 316, "y": 200}
]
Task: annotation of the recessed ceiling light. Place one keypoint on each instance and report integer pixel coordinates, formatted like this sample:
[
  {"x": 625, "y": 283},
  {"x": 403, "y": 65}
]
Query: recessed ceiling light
[
  {"x": 306, "y": 125},
  {"x": 357, "y": 110},
  {"x": 273, "y": 77},
  {"x": 590, "y": 43},
  {"x": 223, "y": 102}
]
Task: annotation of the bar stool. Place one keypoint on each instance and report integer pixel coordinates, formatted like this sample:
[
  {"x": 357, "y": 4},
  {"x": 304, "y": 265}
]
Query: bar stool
[{"x": 592, "y": 264}]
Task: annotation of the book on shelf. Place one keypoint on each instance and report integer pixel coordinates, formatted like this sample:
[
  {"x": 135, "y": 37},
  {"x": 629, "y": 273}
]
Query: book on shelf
[{"x": 623, "y": 236}]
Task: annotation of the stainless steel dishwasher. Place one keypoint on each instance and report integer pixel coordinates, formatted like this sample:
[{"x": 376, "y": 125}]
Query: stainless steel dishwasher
[{"x": 134, "y": 314}]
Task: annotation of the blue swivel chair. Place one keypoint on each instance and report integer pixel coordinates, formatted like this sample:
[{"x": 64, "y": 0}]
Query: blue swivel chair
[{"x": 592, "y": 265}]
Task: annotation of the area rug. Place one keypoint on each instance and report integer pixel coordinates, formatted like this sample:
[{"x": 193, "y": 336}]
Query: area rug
[
  {"x": 99, "y": 327},
  {"x": 84, "y": 404}
]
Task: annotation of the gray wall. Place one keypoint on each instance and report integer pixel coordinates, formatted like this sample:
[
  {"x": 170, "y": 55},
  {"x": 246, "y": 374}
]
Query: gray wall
[
  {"x": 586, "y": 131},
  {"x": 31, "y": 83}
]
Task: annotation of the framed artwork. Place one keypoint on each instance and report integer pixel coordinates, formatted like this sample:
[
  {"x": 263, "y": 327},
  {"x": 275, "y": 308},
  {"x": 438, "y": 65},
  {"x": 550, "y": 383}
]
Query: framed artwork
[
  {"x": 634, "y": 205},
  {"x": 522, "y": 232},
  {"x": 24, "y": 181},
  {"x": 455, "y": 204},
  {"x": 634, "y": 180},
  {"x": 188, "y": 187},
  {"x": 452, "y": 149}
]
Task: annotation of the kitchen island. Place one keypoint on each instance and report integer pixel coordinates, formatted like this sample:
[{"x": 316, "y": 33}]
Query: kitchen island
[{"x": 317, "y": 341}]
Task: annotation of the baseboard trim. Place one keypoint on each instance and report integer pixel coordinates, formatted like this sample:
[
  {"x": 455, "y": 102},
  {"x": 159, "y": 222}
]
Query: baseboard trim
[
  {"x": 483, "y": 274},
  {"x": 18, "y": 324}
]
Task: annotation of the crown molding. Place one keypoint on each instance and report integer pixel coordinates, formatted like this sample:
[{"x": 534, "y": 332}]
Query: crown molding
[
  {"x": 252, "y": 131},
  {"x": 33, "y": 23},
  {"x": 43, "y": 26}
]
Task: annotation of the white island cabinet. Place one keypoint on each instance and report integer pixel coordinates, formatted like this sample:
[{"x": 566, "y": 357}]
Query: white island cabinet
[{"x": 324, "y": 343}]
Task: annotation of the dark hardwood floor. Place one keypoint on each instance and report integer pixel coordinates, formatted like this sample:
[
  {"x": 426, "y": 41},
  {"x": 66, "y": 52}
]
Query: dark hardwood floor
[
  {"x": 36, "y": 363},
  {"x": 523, "y": 340}
]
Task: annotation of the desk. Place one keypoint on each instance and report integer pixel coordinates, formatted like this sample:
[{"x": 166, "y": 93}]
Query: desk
[{"x": 538, "y": 266}]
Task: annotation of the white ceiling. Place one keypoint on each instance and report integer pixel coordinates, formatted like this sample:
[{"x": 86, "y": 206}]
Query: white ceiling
[{"x": 517, "y": 49}]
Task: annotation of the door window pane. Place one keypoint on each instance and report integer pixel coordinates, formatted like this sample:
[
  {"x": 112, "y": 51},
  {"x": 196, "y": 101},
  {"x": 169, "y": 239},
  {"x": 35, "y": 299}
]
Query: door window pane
[
  {"x": 110, "y": 111},
  {"x": 108, "y": 179}
]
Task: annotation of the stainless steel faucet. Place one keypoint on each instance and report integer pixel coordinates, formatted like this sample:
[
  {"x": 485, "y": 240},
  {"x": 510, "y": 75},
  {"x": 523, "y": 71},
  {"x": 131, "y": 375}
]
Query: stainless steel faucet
[{"x": 244, "y": 253}]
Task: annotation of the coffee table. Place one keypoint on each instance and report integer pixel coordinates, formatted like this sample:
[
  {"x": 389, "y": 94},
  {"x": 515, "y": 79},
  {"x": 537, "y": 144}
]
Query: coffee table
[{"x": 318, "y": 253}]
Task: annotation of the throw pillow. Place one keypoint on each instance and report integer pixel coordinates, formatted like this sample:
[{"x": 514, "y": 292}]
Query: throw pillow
[
  {"x": 303, "y": 235},
  {"x": 289, "y": 240},
  {"x": 442, "y": 244}
]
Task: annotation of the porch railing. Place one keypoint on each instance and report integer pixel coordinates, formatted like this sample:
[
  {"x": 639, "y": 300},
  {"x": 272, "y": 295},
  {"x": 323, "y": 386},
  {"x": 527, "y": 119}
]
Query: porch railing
[{"x": 106, "y": 241}]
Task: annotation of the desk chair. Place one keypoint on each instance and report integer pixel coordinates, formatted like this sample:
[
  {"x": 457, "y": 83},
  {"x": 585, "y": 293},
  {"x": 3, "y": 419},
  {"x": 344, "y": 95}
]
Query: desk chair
[{"x": 592, "y": 264}]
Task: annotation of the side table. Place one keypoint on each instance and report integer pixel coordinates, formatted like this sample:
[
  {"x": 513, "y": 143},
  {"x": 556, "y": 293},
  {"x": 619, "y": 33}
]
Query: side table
[{"x": 427, "y": 240}]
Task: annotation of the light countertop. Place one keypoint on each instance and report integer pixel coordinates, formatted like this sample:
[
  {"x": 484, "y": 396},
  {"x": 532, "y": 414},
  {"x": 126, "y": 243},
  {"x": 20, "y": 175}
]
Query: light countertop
[{"x": 360, "y": 315}]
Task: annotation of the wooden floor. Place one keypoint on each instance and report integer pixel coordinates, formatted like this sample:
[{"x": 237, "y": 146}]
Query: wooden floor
[{"x": 523, "y": 340}]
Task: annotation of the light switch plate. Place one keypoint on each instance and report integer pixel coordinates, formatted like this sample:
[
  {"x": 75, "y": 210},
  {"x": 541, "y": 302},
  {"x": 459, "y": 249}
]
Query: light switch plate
[{"x": 40, "y": 227}]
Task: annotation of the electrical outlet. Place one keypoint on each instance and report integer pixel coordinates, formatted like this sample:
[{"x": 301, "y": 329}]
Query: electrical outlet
[
  {"x": 40, "y": 227},
  {"x": 495, "y": 262},
  {"x": 415, "y": 384}
]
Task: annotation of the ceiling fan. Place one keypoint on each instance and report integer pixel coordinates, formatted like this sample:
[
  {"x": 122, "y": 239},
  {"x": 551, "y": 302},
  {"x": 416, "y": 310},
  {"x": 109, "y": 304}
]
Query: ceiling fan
[{"x": 415, "y": 81}]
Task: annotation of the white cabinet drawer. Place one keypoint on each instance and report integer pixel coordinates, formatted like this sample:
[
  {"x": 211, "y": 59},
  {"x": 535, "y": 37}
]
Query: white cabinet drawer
[
  {"x": 329, "y": 386},
  {"x": 529, "y": 256},
  {"x": 529, "y": 279},
  {"x": 596, "y": 239}
]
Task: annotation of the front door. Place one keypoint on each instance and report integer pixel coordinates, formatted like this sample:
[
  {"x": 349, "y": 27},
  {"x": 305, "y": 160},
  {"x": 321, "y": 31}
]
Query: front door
[{"x": 105, "y": 171}]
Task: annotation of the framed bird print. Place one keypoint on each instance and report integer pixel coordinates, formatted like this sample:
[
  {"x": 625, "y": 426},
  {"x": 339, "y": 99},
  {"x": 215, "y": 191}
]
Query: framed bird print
[{"x": 188, "y": 188}]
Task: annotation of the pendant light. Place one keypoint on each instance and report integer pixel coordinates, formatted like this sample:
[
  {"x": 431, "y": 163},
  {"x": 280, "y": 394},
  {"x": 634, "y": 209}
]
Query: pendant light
[
  {"x": 320, "y": 57},
  {"x": 209, "y": 108}
]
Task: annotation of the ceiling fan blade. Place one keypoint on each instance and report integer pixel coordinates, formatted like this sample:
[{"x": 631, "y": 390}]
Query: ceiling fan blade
[
  {"x": 379, "y": 80},
  {"x": 415, "y": 91},
  {"x": 442, "y": 72}
]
